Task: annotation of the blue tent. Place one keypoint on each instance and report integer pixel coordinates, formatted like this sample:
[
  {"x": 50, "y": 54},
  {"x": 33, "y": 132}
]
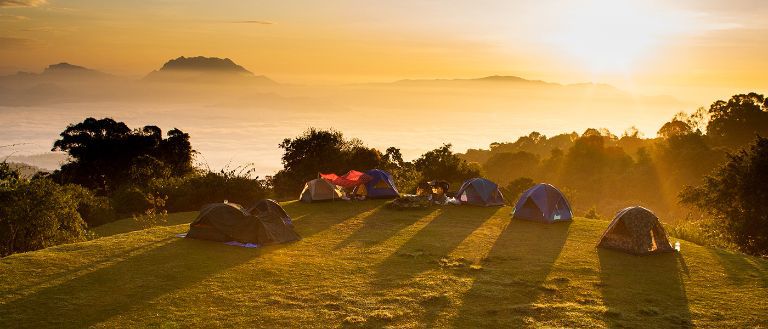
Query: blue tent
[
  {"x": 543, "y": 203},
  {"x": 480, "y": 192},
  {"x": 381, "y": 186}
]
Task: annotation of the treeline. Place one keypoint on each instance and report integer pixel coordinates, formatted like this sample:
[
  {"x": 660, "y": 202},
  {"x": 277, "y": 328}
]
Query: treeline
[
  {"x": 327, "y": 151},
  {"x": 604, "y": 172}
]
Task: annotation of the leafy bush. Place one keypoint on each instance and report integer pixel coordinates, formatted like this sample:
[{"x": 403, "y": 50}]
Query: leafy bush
[
  {"x": 515, "y": 188},
  {"x": 703, "y": 232},
  {"x": 193, "y": 191},
  {"x": 36, "y": 214},
  {"x": 129, "y": 200},
  {"x": 592, "y": 213},
  {"x": 95, "y": 210},
  {"x": 155, "y": 215}
]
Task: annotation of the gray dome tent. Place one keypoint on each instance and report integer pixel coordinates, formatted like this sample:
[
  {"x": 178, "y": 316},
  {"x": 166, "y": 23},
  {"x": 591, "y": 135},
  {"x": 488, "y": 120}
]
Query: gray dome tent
[
  {"x": 265, "y": 223},
  {"x": 319, "y": 190},
  {"x": 636, "y": 230}
]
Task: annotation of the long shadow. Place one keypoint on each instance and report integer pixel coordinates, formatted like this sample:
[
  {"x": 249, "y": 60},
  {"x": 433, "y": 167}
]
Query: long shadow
[
  {"x": 433, "y": 242},
  {"x": 313, "y": 218},
  {"x": 126, "y": 286},
  {"x": 513, "y": 276},
  {"x": 382, "y": 225},
  {"x": 643, "y": 289},
  {"x": 69, "y": 272},
  {"x": 742, "y": 268}
]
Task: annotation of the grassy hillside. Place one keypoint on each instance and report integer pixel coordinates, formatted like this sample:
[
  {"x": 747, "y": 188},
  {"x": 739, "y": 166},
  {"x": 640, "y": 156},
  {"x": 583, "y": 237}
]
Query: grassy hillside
[{"x": 361, "y": 265}]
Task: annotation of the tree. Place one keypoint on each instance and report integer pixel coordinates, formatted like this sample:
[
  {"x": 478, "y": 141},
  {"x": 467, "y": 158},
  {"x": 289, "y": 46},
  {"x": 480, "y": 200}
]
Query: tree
[
  {"x": 734, "y": 123},
  {"x": 317, "y": 151},
  {"x": 515, "y": 188},
  {"x": 104, "y": 153},
  {"x": 735, "y": 195},
  {"x": 442, "y": 163},
  {"x": 504, "y": 167},
  {"x": 674, "y": 128}
]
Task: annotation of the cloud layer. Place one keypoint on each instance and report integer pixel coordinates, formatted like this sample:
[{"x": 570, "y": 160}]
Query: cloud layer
[{"x": 22, "y": 3}]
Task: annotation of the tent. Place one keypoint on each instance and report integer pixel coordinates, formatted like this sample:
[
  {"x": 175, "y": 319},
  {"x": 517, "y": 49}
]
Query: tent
[
  {"x": 636, "y": 230},
  {"x": 543, "y": 203},
  {"x": 319, "y": 190},
  {"x": 351, "y": 179},
  {"x": 266, "y": 223},
  {"x": 381, "y": 186},
  {"x": 480, "y": 192}
]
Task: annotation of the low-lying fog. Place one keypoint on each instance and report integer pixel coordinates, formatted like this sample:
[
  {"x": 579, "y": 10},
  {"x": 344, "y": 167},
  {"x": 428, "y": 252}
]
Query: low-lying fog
[{"x": 238, "y": 123}]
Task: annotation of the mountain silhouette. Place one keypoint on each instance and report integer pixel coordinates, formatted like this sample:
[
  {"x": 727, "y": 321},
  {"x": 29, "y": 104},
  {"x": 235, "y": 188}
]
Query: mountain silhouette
[{"x": 204, "y": 70}]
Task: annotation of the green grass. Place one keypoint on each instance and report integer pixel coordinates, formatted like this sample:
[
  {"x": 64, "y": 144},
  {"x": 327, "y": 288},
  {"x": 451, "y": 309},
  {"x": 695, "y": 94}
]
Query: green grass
[{"x": 361, "y": 265}]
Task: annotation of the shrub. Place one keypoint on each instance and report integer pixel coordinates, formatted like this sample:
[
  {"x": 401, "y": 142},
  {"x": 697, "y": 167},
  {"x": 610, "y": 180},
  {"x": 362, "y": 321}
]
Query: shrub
[
  {"x": 36, "y": 214},
  {"x": 192, "y": 192},
  {"x": 130, "y": 200},
  {"x": 155, "y": 215},
  {"x": 703, "y": 232},
  {"x": 592, "y": 213},
  {"x": 515, "y": 188},
  {"x": 95, "y": 210}
]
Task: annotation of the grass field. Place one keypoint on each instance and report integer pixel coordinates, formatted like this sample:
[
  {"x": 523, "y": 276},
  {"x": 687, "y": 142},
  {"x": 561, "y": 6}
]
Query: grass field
[{"x": 361, "y": 265}]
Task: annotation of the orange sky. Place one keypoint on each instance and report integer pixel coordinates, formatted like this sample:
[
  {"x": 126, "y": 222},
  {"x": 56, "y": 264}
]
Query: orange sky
[{"x": 696, "y": 48}]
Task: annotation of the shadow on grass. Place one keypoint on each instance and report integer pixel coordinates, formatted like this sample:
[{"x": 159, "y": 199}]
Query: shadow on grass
[
  {"x": 513, "y": 276},
  {"x": 433, "y": 242},
  {"x": 66, "y": 274},
  {"x": 313, "y": 218},
  {"x": 383, "y": 224},
  {"x": 126, "y": 286},
  {"x": 129, "y": 225},
  {"x": 643, "y": 289},
  {"x": 742, "y": 268}
]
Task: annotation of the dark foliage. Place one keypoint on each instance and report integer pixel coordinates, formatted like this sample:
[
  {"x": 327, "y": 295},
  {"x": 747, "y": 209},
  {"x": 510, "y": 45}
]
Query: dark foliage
[
  {"x": 193, "y": 191},
  {"x": 734, "y": 123},
  {"x": 36, "y": 213},
  {"x": 735, "y": 195},
  {"x": 106, "y": 154},
  {"x": 515, "y": 189},
  {"x": 442, "y": 164},
  {"x": 324, "y": 151}
]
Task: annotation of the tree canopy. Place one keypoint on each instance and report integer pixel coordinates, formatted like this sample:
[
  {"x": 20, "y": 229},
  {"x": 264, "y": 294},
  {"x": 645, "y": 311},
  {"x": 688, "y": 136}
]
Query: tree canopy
[{"x": 105, "y": 154}]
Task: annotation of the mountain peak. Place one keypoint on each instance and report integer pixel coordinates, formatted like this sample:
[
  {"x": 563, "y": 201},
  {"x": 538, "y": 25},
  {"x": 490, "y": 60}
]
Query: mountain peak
[
  {"x": 204, "y": 64},
  {"x": 64, "y": 66}
]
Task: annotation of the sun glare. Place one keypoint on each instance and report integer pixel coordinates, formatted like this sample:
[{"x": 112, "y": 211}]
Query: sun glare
[{"x": 609, "y": 36}]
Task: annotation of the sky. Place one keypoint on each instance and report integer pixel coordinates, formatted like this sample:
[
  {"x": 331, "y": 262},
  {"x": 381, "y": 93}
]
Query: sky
[{"x": 696, "y": 49}]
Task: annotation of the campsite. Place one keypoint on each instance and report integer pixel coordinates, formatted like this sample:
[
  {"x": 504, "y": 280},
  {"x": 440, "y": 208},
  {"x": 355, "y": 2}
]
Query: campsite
[
  {"x": 384, "y": 164},
  {"x": 360, "y": 264}
]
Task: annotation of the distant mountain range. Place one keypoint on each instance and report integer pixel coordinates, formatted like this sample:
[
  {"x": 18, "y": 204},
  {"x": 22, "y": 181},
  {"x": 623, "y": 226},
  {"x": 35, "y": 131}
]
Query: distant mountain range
[
  {"x": 203, "y": 78},
  {"x": 61, "y": 71}
]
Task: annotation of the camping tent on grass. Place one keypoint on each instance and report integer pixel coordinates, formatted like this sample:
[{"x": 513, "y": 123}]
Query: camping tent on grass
[
  {"x": 543, "y": 203},
  {"x": 319, "y": 190},
  {"x": 351, "y": 179},
  {"x": 381, "y": 186},
  {"x": 266, "y": 223},
  {"x": 636, "y": 230},
  {"x": 480, "y": 192}
]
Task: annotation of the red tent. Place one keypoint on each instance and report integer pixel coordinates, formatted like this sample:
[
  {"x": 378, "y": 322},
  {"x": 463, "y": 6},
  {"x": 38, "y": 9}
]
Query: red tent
[{"x": 351, "y": 179}]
